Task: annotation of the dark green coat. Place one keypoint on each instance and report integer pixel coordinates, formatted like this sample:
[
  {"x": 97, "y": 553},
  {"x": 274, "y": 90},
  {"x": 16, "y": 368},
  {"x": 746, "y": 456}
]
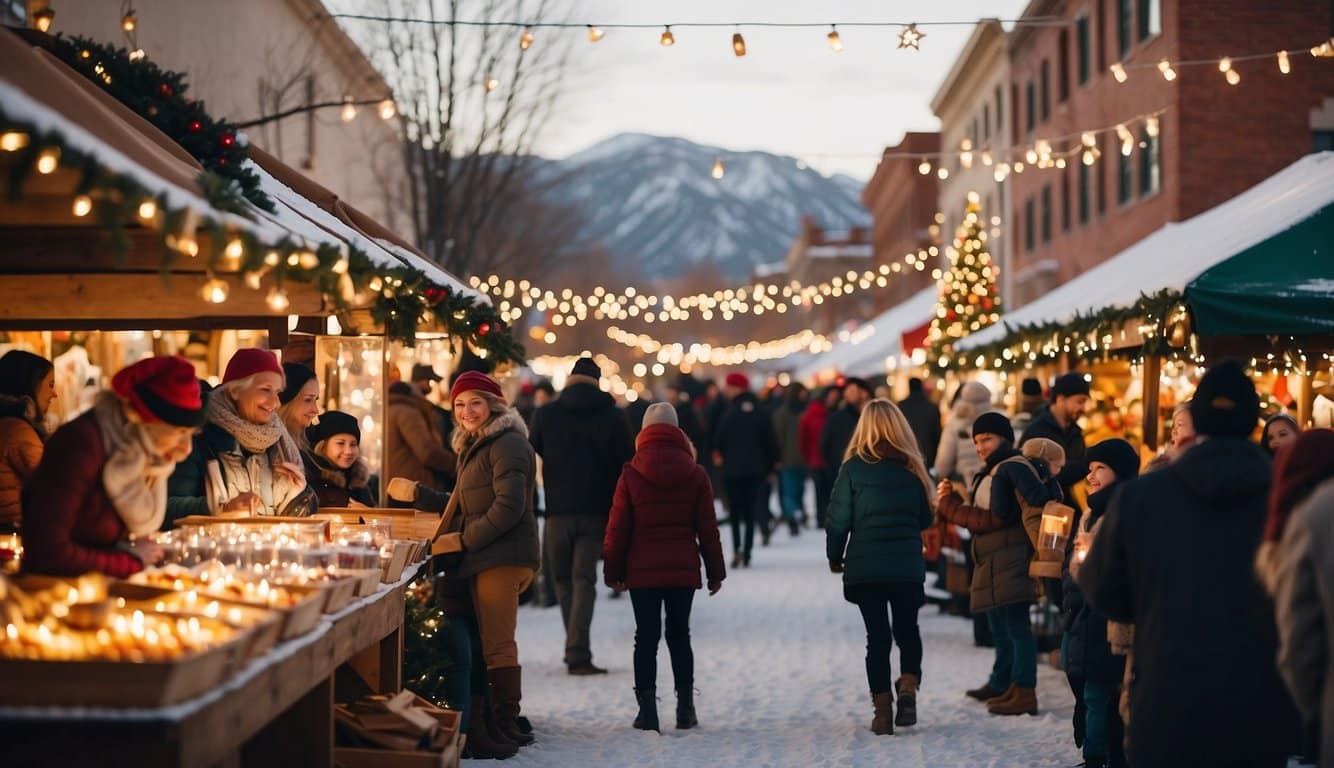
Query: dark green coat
[{"x": 877, "y": 514}]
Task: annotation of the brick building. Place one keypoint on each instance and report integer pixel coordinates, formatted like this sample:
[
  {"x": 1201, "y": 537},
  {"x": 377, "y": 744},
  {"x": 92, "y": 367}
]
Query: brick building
[
  {"x": 903, "y": 203},
  {"x": 818, "y": 255},
  {"x": 1214, "y": 139}
]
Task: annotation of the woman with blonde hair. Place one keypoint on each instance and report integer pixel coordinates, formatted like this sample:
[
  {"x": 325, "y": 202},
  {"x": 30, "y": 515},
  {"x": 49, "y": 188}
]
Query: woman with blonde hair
[{"x": 881, "y": 503}]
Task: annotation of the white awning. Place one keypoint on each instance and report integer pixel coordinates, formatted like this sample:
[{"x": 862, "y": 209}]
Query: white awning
[
  {"x": 1178, "y": 253},
  {"x": 867, "y": 347}
]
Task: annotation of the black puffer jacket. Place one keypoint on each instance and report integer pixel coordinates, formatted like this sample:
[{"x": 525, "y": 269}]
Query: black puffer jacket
[
  {"x": 746, "y": 439},
  {"x": 1175, "y": 557},
  {"x": 584, "y": 440},
  {"x": 1089, "y": 655},
  {"x": 1070, "y": 438}
]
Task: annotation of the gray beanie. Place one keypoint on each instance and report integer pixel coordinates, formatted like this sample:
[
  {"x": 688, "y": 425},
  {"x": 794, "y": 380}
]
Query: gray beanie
[{"x": 660, "y": 413}]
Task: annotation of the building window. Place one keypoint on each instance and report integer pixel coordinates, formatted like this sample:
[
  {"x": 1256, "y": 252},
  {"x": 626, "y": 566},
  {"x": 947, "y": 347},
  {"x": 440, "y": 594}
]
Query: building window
[
  {"x": 1084, "y": 44},
  {"x": 999, "y": 125},
  {"x": 1029, "y": 227},
  {"x": 1085, "y": 193},
  {"x": 986, "y": 122},
  {"x": 1322, "y": 141},
  {"x": 1044, "y": 77},
  {"x": 1063, "y": 67},
  {"x": 1124, "y": 21},
  {"x": 1046, "y": 214},
  {"x": 1101, "y": 181},
  {"x": 1124, "y": 181},
  {"x": 1030, "y": 114},
  {"x": 1150, "y": 164},
  {"x": 1065, "y": 201},
  {"x": 1150, "y": 18}
]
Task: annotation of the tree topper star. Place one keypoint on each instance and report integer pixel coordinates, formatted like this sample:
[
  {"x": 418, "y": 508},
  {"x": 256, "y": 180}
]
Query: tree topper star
[{"x": 909, "y": 37}]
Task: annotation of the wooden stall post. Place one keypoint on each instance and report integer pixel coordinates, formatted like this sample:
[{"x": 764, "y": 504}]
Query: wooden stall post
[{"x": 1153, "y": 366}]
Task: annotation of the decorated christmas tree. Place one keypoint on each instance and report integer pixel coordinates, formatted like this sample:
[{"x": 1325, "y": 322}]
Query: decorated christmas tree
[{"x": 969, "y": 295}]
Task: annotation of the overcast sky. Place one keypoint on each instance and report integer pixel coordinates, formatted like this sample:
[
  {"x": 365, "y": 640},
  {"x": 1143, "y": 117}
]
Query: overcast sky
[{"x": 790, "y": 94}]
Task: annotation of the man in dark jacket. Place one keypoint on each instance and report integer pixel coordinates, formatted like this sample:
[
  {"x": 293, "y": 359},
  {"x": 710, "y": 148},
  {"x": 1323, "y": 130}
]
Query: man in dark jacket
[
  {"x": 680, "y": 395},
  {"x": 842, "y": 423},
  {"x": 746, "y": 449},
  {"x": 924, "y": 418},
  {"x": 1058, "y": 422},
  {"x": 1175, "y": 557},
  {"x": 583, "y": 440}
]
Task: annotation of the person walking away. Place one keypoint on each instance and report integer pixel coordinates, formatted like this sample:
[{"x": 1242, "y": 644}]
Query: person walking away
[
  {"x": 1001, "y": 586},
  {"x": 1174, "y": 557},
  {"x": 792, "y": 473},
  {"x": 747, "y": 452},
  {"x": 881, "y": 504},
  {"x": 924, "y": 418},
  {"x": 583, "y": 440},
  {"x": 489, "y": 527},
  {"x": 299, "y": 402},
  {"x": 1292, "y": 567},
  {"x": 1058, "y": 421},
  {"x": 414, "y": 446},
  {"x": 27, "y": 389},
  {"x": 812, "y": 426},
  {"x": 1089, "y": 657},
  {"x": 661, "y": 524},
  {"x": 957, "y": 458},
  {"x": 335, "y": 468},
  {"x": 101, "y": 487}
]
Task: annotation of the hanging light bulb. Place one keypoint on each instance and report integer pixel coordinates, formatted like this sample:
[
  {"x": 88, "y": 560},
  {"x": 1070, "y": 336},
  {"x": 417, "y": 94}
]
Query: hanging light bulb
[
  {"x": 1151, "y": 126},
  {"x": 668, "y": 39},
  {"x": 44, "y": 18},
  {"x": 272, "y": 258},
  {"x": 909, "y": 37},
  {"x": 83, "y": 205},
  {"x": 137, "y": 54},
  {"x": 835, "y": 42},
  {"x": 1119, "y": 72},
  {"x": 1031, "y": 156},
  {"x": 526, "y": 39},
  {"x": 986, "y": 158},
  {"x": 235, "y": 250},
  {"x": 277, "y": 299},
  {"x": 388, "y": 109},
  {"x": 128, "y": 22},
  {"x": 1283, "y": 64},
  {"x": 349, "y": 112},
  {"x": 147, "y": 210},
  {"x": 943, "y": 173},
  {"x": 718, "y": 169},
  {"x": 252, "y": 280},
  {"x": 307, "y": 260},
  {"x": 491, "y": 84},
  {"x": 340, "y": 266},
  {"x": 13, "y": 141},
  {"x": 214, "y": 290},
  {"x": 1233, "y": 77},
  {"x": 1165, "y": 67},
  {"x": 738, "y": 44},
  {"x": 595, "y": 34},
  {"x": 1060, "y": 162},
  {"x": 48, "y": 160},
  {"x": 924, "y": 167}
]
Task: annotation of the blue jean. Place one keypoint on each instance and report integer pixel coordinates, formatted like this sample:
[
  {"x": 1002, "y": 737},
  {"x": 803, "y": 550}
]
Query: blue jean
[
  {"x": 1099, "y": 704},
  {"x": 791, "y": 489},
  {"x": 466, "y": 675},
  {"x": 1016, "y": 649}
]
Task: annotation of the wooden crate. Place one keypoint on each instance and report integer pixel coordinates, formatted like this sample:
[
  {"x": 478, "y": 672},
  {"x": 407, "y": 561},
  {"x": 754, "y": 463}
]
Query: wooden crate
[
  {"x": 265, "y": 624},
  {"x": 450, "y": 721},
  {"x": 404, "y": 523},
  {"x": 368, "y": 580},
  {"x": 297, "y": 620}
]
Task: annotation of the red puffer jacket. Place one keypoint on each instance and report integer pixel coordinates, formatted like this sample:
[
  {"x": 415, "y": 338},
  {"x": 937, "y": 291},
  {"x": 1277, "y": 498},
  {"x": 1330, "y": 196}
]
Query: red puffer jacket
[
  {"x": 808, "y": 433},
  {"x": 662, "y": 517}
]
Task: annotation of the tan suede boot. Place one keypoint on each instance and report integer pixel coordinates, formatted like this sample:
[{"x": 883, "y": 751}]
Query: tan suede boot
[
  {"x": 1003, "y": 696},
  {"x": 906, "y": 687},
  {"x": 882, "y": 724},
  {"x": 1023, "y": 701}
]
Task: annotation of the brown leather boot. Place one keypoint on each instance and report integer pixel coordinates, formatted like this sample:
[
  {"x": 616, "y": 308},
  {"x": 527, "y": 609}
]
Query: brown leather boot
[
  {"x": 1023, "y": 701},
  {"x": 1006, "y": 695},
  {"x": 906, "y": 688},
  {"x": 481, "y": 744},
  {"x": 983, "y": 693},
  {"x": 882, "y": 724},
  {"x": 506, "y": 691}
]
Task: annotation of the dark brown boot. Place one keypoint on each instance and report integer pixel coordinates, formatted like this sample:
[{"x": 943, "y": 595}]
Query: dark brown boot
[
  {"x": 493, "y": 727},
  {"x": 506, "y": 691},
  {"x": 906, "y": 688},
  {"x": 882, "y": 724},
  {"x": 1023, "y": 701},
  {"x": 1001, "y": 699},
  {"x": 983, "y": 693},
  {"x": 481, "y": 745}
]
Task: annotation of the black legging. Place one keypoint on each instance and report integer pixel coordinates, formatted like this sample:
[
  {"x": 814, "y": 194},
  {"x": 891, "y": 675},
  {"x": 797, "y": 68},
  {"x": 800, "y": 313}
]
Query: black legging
[
  {"x": 742, "y": 505},
  {"x": 648, "y": 606},
  {"x": 877, "y": 602}
]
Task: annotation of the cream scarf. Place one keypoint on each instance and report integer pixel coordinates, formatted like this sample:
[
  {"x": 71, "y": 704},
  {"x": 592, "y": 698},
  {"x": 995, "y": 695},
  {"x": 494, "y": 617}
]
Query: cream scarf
[
  {"x": 134, "y": 476},
  {"x": 271, "y": 439}
]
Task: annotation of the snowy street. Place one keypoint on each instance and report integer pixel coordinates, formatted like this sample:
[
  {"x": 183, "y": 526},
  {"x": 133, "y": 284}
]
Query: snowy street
[{"x": 780, "y": 670}]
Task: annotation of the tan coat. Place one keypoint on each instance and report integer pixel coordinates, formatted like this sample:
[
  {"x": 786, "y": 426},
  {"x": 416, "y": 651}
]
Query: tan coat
[
  {"x": 20, "y": 453},
  {"x": 497, "y": 477},
  {"x": 416, "y": 450}
]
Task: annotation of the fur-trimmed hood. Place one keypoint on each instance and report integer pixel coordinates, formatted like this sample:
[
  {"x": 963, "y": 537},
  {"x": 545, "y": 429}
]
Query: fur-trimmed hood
[
  {"x": 355, "y": 477},
  {"x": 462, "y": 441},
  {"x": 25, "y": 408}
]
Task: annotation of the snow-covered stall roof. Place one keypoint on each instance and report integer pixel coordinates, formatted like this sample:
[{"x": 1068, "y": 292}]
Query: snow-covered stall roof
[
  {"x": 867, "y": 350},
  {"x": 1178, "y": 253}
]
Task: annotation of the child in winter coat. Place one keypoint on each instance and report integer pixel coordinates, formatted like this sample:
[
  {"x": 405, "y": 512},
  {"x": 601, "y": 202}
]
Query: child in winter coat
[
  {"x": 1089, "y": 658},
  {"x": 335, "y": 468},
  {"x": 661, "y": 522},
  {"x": 1002, "y": 550},
  {"x": 880, "y": 505}
]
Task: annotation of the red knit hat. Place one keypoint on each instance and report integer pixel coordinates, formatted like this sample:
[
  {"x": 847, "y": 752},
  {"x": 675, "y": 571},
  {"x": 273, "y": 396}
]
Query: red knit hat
[
  {"x": 250, "y": 361},
  {"x": 737, "y": 380},
  {"x": 162, "y": 389},
  {"x": 469, "y": 381}
]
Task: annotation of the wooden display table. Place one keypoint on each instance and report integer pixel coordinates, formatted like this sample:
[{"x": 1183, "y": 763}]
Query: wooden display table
[{"x": 278, "y": 711}]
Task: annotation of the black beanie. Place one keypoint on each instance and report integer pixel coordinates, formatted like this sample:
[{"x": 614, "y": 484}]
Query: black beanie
[
  {"x": 1069, "y": 384},
  {"x": 1031, "y": 387},
  {"x": 585, "y": 366},
  {"x": 994, "y": 423},
  {"x": 1117, "y": 454},
  {"x": 297, "y": 375},
  {"x": 1225, "y": 403},
  {"x": 333, "y": 423}
]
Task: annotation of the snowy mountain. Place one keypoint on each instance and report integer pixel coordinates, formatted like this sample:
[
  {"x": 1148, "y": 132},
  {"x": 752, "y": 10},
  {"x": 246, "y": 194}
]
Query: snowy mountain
[{"x": 653, "y": 200}]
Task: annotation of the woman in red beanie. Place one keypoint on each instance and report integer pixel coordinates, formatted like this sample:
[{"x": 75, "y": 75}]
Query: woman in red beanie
[
  {"x": 489, "y": 520},
  {"x": 244, "y": 462},
  {"x": 103, "y": 478}
]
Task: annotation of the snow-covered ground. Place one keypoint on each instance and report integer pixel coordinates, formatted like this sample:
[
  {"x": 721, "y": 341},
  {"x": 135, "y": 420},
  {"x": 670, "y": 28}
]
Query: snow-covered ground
[{"x": 781, "y": 679}]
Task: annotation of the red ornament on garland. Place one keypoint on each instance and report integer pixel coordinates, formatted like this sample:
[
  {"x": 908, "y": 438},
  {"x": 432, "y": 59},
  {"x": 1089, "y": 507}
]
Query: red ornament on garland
[
  {"x": 195, "y": 126},
  {"x": 165, "y": 90},
  {"x": 434, "y": 295},
  {"x": 483, "y": 329},
  {"x": 227, "y": 139}
]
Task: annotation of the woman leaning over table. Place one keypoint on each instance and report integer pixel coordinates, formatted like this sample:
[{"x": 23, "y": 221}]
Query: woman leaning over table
[
  {"x": 104, "y": 475},
  {"x": 244, "y": 461}
]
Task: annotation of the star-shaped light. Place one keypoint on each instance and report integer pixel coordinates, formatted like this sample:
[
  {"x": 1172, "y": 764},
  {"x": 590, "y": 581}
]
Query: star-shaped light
[{"x": 909, "y": 37}]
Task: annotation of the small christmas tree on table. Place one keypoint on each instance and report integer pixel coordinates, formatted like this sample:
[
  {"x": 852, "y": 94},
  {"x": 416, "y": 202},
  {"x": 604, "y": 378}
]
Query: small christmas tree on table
[{"x": 969, "y": 297}]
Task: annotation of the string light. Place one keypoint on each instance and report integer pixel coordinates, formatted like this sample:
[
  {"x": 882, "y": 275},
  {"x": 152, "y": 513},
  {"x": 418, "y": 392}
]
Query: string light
[
  {"x": 388, "y": 109},
  {"x": 1225, "y": 66},
  {"x": 835, "y": 42},
  {"x": 1283, "y": 65},
  {"x": 214, "y": 290},
  {"x": 738, "y": 44},
  {"x": 910, "y": 37},
  {"x": 349, "y": 112},
  {"x": 48, "y": 160},
  {"x": 147, "y": 210},
  {"x": 1151, "y": 127},
  {"x": 718, "y": 169},
  {"x": 491, "y": 84},
  {"x": 44, "y": 18},
  {"x": 595, "y": 34},
  {"x": 128, "y": 22},
  {"x": 1165, "y": 67},
  {"x": 679, "y": 355},
  {"x": 235, "y": 250},
  {"x": 1119, "y": 72},
  {"x": 924, "y": 167},
  {"x": 526, "y": 39},
  {"x": 277, "y": 299},
  {"x": 668, "y": 39},
  {"x": 137, "y": 54},
  {"x": 83, "y": 205},
  {"x": 13, "y": 141}
]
